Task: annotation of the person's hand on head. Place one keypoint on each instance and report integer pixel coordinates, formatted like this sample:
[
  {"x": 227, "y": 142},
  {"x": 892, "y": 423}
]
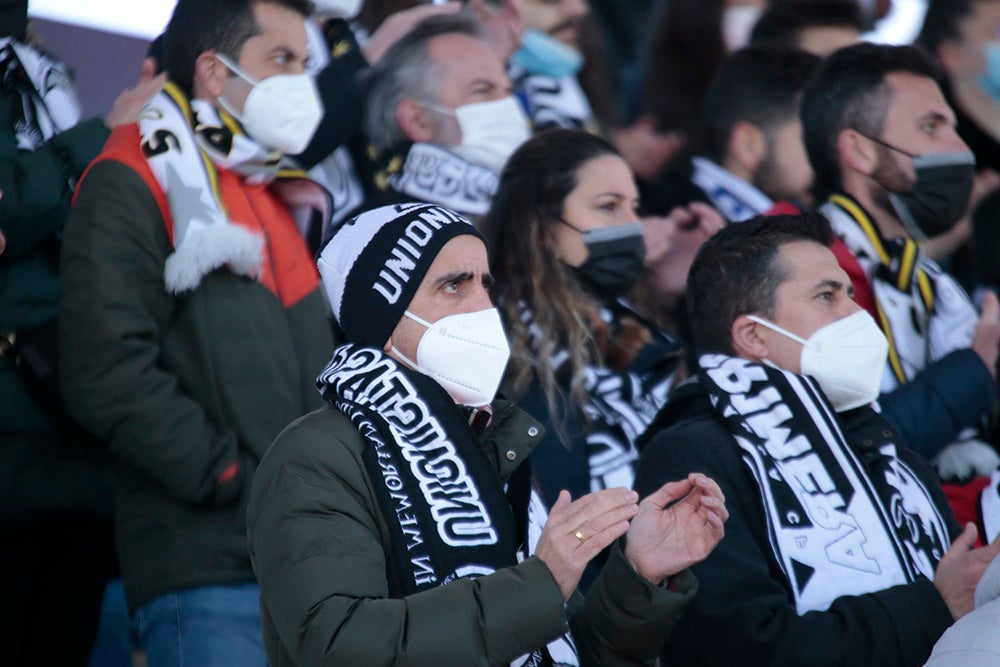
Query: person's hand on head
[
  {"x": 671, "y": 245},
  {"x": 578, "y": 530},
  {"x": 502, "y": 24},
  {"x": 131, "y": 101},
  {"x": 960, "y": 570},
  {"x": 986, "y": 338},
  {"x": 644, "y": 148},
  {"x": 676, "y": 527},
  {"x": 398, "y": 24}
]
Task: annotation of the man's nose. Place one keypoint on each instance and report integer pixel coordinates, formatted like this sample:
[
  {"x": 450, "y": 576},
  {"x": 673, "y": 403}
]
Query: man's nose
[{"x": 481, "y": 300}]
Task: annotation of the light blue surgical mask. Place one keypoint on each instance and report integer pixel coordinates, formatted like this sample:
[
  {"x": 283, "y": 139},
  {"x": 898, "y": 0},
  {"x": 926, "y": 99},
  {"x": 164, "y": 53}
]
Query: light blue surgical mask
[
  {"x": 543, "y": 54},
  {"x": 989, "y": 80}
]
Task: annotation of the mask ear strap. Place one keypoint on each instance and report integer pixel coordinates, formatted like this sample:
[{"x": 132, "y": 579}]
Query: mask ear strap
[
  {"x": 409, "y": 362},
  {"x": 235, "y": 69},
  {"x": 775, "y": 327},
  {"x": 418, "y": 320}
]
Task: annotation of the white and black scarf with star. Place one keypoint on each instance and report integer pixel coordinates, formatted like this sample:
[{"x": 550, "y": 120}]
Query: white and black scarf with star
[{"x": 185, "y": 142}]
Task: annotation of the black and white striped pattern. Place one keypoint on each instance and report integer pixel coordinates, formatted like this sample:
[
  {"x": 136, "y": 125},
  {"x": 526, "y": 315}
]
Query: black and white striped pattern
[{"x": 836, "y": 527}]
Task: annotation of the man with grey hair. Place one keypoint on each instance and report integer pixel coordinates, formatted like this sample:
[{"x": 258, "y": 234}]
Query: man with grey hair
[{"x": 440, "y": 117}]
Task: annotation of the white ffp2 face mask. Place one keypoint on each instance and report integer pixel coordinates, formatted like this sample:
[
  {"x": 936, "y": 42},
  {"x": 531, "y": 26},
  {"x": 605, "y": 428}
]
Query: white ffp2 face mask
[
  {"x": 466, "y": 354},
  {"x": 491, "y": 131},
  {"x": 847, "y": 358},
  {"x": 281, "y": 112}
]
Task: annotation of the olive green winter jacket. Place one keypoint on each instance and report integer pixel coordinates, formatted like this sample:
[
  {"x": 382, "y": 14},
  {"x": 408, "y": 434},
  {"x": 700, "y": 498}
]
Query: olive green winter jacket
[
  {"x": 187, "y": 391},
  {"x": 319, "y": 544}
]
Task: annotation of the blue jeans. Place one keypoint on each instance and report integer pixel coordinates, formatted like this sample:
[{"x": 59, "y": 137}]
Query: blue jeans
[{"x": 211, "y": 626}]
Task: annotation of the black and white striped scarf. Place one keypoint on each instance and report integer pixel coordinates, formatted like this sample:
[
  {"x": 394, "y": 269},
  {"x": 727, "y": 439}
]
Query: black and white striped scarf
[
  {"x": 447, "y": 513},
  {"x": 836, "y": 527},
  {"x": 45, "y": 101},
  {"x": 620, "y": 404},
  {"x": 553, "y": 102},
  {"x": 923, "y": 312}
]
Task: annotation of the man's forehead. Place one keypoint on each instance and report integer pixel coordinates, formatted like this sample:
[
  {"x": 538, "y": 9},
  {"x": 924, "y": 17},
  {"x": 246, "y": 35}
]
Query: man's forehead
[
  {"x": 915, "y": 95},
  {"x": 810, "y": 262},
  {"x": 465, "y": 57},
  {"x": 279, "y": 25}
]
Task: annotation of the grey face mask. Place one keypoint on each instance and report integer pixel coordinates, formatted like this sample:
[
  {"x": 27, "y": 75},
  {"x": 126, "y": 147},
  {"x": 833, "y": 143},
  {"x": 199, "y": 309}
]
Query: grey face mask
[
  {"x": 615, "y": 257},
  {"x": 941, "y": 194}
]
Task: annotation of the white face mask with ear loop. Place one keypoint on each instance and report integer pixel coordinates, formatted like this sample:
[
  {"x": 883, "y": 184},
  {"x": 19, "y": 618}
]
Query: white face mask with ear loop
[
  {"x": 466, "y": 354},
  {"x": 281, "y": 112},
  {"x": 847, "y": 358},
  {"x": 491, "y": 131}
]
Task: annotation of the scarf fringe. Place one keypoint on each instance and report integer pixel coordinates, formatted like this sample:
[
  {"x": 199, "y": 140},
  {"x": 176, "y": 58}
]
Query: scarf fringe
[{"x": 211, "y": 247}]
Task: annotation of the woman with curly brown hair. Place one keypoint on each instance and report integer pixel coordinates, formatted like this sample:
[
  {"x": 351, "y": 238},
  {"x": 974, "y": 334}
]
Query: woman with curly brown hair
[{"x": 567, "y": 246}]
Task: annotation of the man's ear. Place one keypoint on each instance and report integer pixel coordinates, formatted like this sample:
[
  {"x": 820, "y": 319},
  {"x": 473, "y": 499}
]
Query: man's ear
[
  {"x": 747, "y": 146},
  {"x": 857, "y": 151},
  {"x": 747, "y": 342},
  {"x": 415, "y": 122},
  {"x": 209, "y": 75}
]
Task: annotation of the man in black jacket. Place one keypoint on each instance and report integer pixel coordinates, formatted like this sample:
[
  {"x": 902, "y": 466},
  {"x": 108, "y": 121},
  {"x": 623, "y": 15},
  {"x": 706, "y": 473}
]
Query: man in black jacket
[{"x": 837, "y": 548}]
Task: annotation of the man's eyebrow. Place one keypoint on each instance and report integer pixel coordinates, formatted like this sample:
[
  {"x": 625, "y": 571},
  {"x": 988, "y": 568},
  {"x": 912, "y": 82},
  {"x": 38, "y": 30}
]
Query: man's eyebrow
[
  {"x": 481, "y": 82},
  {"x": 835, "y": 285},
  {"x": 282, "y": 49},
  {"x": 935, "y": 117},
  {"x": 453, "y": 277}
]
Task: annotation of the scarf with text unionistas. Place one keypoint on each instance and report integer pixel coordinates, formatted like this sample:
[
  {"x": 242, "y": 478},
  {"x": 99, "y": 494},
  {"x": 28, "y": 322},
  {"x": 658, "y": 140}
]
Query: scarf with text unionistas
[{"x": 446, "y": 510}]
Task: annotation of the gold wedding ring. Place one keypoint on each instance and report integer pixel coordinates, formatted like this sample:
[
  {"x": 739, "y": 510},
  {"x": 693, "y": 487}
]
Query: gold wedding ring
[{"x": 578, "y": 535}]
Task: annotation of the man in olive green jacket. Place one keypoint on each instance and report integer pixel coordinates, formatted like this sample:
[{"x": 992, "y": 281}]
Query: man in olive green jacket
[
  {"x": 389, "y": 527},
  {"x": 193, "y": 322}
]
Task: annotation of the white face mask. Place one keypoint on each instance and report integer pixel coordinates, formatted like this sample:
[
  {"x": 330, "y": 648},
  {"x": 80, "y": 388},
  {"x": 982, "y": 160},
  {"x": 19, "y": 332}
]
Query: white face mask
[
  {"x": 281, "y": 112},
  {"x": 847, "y": 358},
  {"x": 491, "y": 131},
  {"x": 338, "y": 9},
  {"x": 466, "y": 354}
]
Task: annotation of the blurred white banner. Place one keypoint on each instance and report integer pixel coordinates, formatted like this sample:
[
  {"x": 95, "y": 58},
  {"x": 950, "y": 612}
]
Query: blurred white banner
[{"x": 137, "y": 18}]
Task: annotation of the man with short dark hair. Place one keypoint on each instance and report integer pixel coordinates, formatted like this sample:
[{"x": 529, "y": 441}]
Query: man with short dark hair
[
  {"x": 816, "y": 26},
  {"x": 399, "y": 525},
  {"x": 753, "y": 136},
  {"x": 840, "y": 547},
  {"x": 882, "y": 142},
  {"x": 192, "y": 322}
]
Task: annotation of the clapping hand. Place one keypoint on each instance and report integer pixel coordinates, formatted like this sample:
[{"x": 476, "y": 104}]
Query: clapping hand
[
  {"x": 578, "y": 530},
  {"x": 676, "y": 527}
]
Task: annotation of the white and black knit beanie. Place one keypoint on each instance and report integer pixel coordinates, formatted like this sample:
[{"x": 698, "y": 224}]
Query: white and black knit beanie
[{"x": 373, "y": 265}]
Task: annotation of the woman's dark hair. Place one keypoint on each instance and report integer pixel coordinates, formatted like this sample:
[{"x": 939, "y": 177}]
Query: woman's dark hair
[
  {"x": 684, "y": 53},
  {"x": 529, "y": 278}
]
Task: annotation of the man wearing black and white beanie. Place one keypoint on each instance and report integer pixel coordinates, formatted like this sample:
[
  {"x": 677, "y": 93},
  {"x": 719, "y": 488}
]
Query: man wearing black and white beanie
[{"x": 390, "y": 527}]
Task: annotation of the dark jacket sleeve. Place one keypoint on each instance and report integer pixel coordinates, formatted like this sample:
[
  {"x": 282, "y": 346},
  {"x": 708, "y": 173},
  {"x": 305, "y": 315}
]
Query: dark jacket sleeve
[
  {"x": 37, "y": 185},
  {"x": 743, "y": 613},
  {"x": 113, "y": 316},
  {"x": 317, "y": 551},
  {"x": 625, "y": 620},
  {"x": 951, "y": 394},
  {"x": 342, "y": 92}
]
